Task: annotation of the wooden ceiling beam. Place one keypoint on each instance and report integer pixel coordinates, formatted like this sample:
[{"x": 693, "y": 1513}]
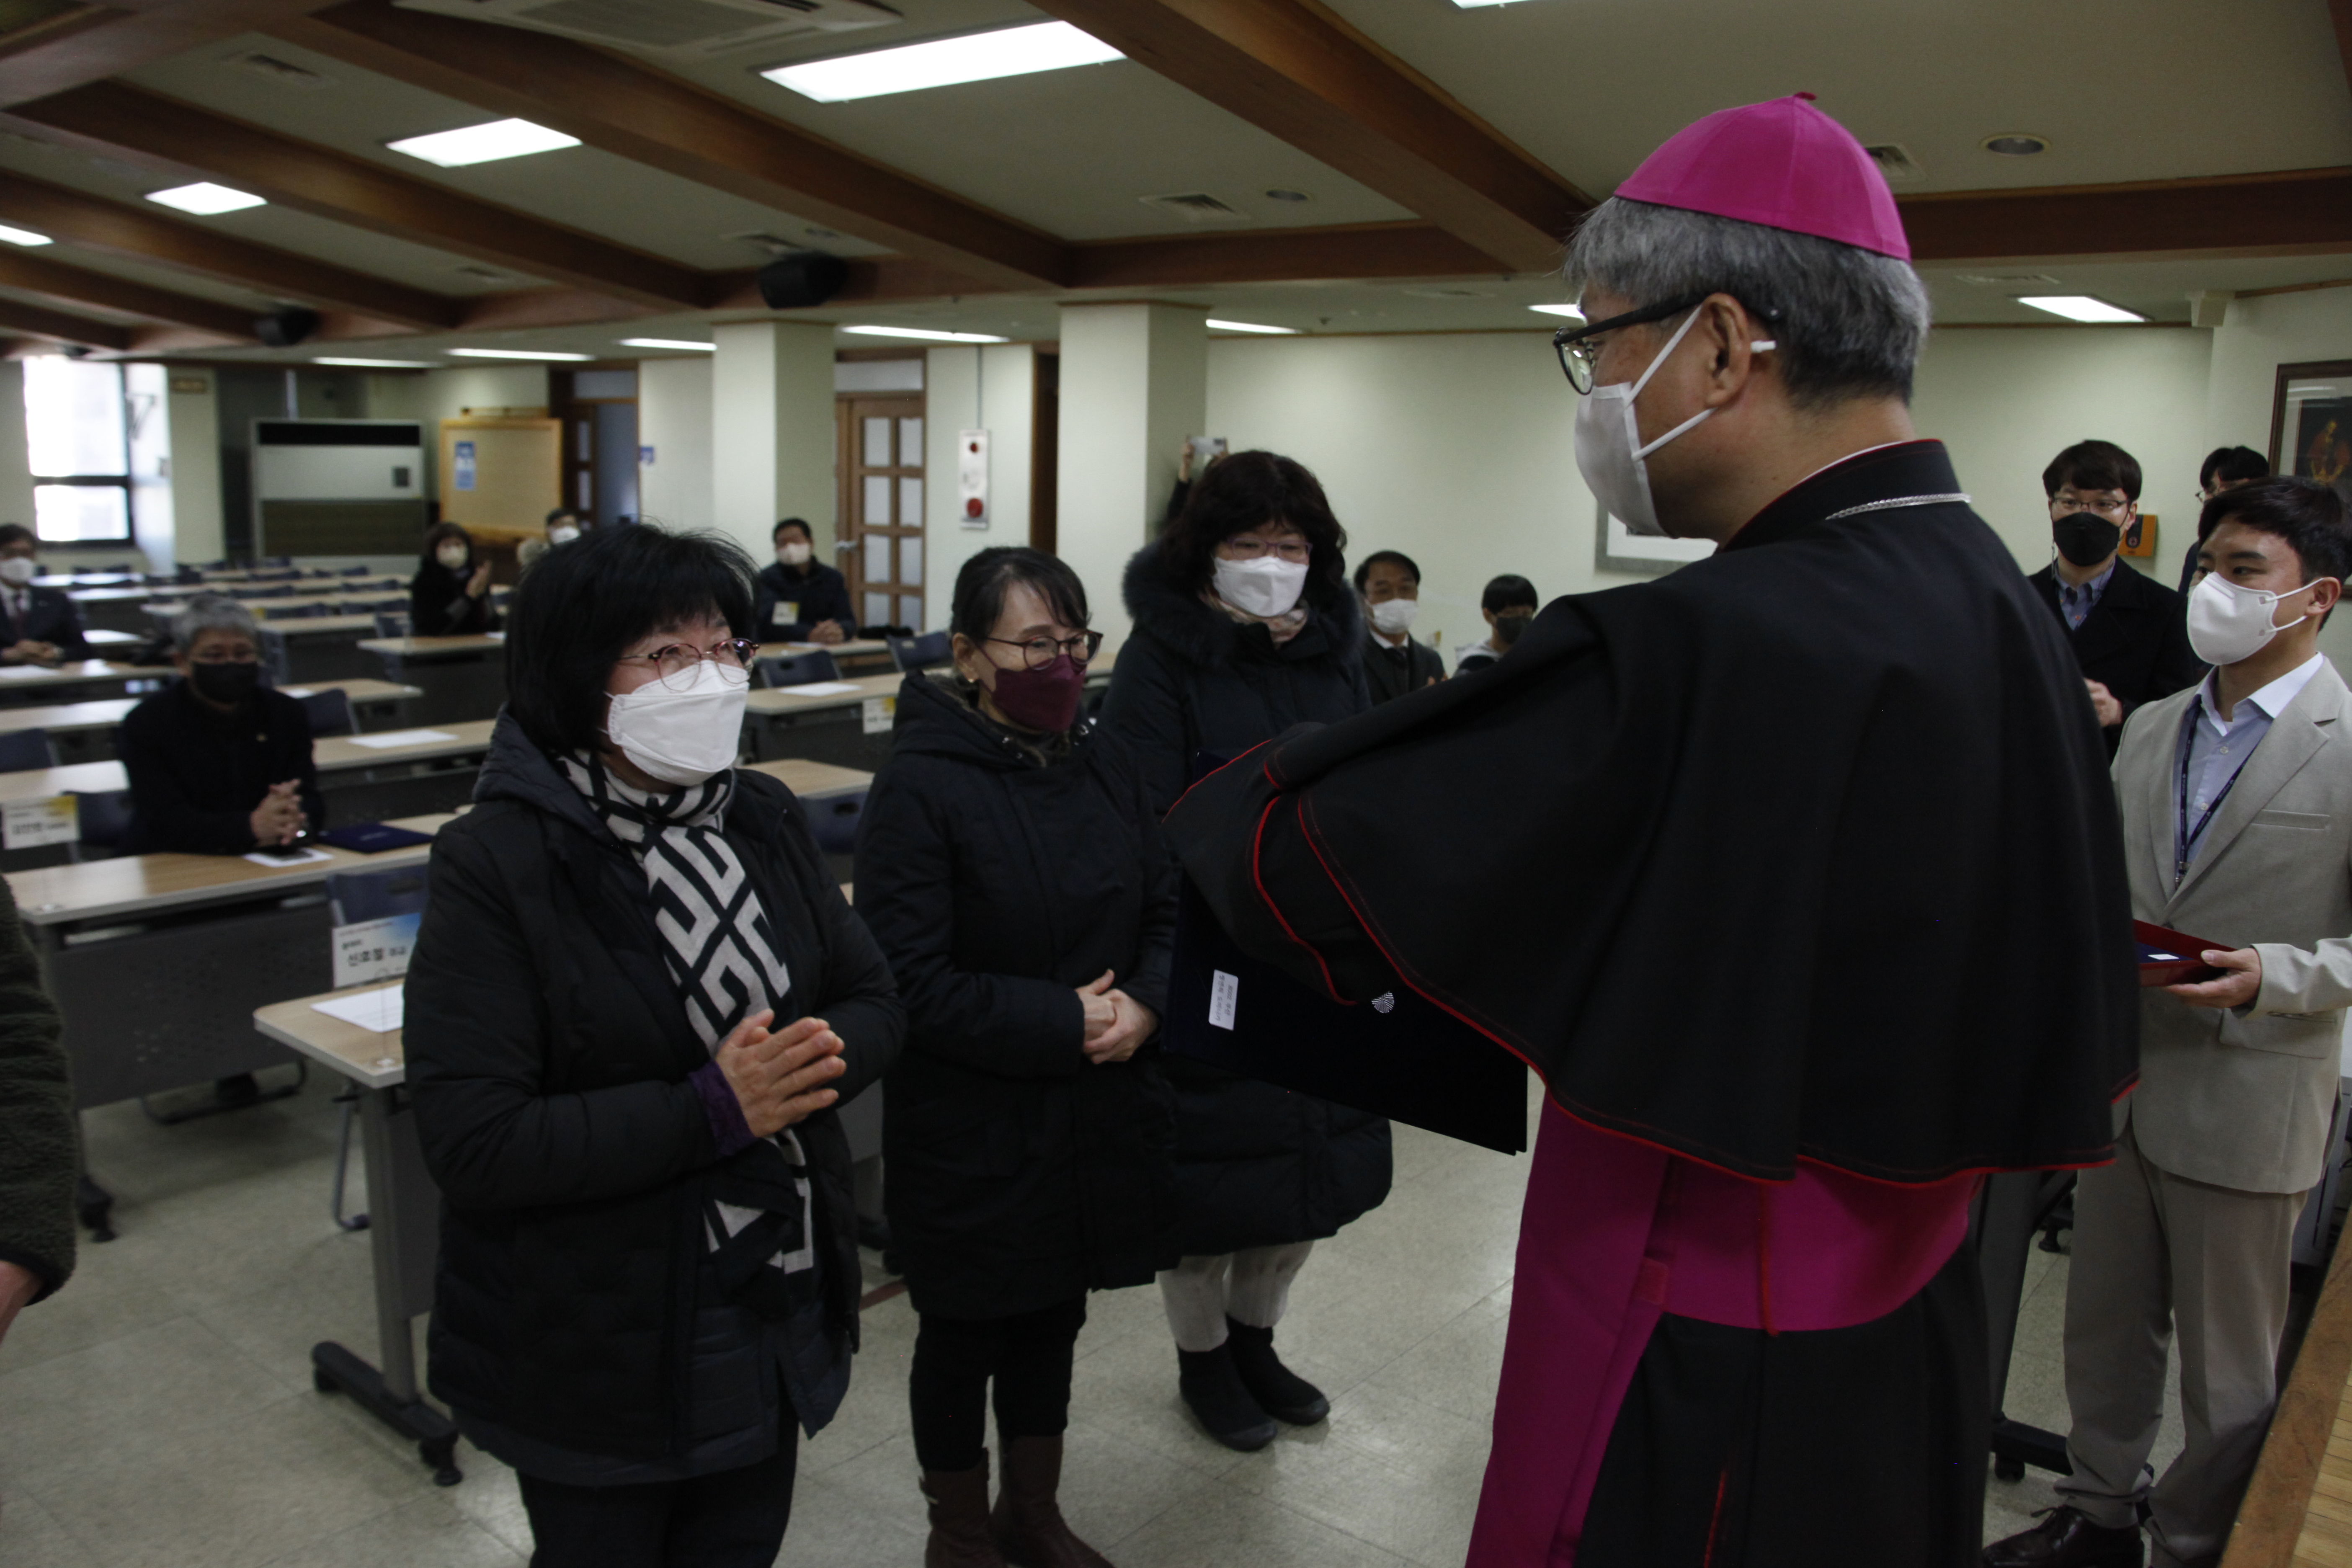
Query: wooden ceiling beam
[
  {"x": 72, "y": 286},
  {"x": 117, "y": 118},
  {"x": 146, "y": 233},
  {"x": 1336, "y": 253},
  {"x": 59, "y": 327},
  {"x": 628, "y": 108},
  {"x": 1295, "y": 69},
  {"x": 2282, "y": 213},
  {"x": 90, "y": 42}
]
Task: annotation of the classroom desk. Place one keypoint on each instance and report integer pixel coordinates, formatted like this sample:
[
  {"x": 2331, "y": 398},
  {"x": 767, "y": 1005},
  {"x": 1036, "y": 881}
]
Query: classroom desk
[
  {"x": 87, "y": 580},
  {"x": 25, "y": 683},
  {"x": 115, "y": 609},
  {"x": 157, "y": 962},
  {"x": 435, "y": 771},
  {"x": 858, "y": 656},
  {"x": 84, "y": 731},
  {"x": 100, "y": 637},
  {"x": 462, "y": 676},
  {"x": 404, "y": 1223},
  {"x": 850, "y": 727}
]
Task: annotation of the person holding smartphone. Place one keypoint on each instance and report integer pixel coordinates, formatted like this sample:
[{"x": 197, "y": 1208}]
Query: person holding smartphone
[{"x": 219, "y": 763}]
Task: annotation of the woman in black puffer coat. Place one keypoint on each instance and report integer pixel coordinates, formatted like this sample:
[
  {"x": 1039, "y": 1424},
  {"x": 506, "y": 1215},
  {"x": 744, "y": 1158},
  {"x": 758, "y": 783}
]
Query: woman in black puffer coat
[
  {"x": 1245, "y": 625},
  {"x": 1011, "y": 868}
]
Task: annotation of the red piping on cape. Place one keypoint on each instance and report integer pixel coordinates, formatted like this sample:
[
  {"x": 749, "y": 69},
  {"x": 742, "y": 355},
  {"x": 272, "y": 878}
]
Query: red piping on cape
[
  {"x": 1212, "y": 773},
  {"x": 1715, "y": 1520},
  {"x": 1265, "y": 897},
  {"x": 1371, "y": 933}
]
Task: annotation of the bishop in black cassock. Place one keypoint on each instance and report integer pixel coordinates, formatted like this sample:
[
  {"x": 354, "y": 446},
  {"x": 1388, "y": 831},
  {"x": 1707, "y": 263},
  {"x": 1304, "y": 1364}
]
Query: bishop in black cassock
[{"x": 1823, "y": 912}]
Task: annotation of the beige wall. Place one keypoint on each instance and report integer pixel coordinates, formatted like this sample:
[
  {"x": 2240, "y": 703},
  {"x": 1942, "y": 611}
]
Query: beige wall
[
  {"x": 990, "y": 388},
  {"x": 673, "y": 419},
  {"x": 197, "y": 527}
]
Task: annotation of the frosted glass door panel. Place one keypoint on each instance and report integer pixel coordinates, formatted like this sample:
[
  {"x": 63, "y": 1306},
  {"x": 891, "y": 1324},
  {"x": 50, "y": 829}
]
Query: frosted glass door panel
[
  {"x": 878, "y": 609},
  {"x": 878, "y": 443},
  {"x": 911, "y": 611},
  {"x": 910, "y": 561},
  {"x": 877, "y": 557},
  {"x": 877, "y": 500},
  {"x": 911, "y": 443},
  {"x": 911, "y": 502}
]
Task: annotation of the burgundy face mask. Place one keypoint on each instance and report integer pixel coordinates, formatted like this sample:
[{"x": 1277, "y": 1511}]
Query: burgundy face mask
[{"x": 1042, "y": 700}]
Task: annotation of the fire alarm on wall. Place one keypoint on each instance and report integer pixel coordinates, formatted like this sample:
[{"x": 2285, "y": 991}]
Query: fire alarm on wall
[{"x": 971, "y": 476}]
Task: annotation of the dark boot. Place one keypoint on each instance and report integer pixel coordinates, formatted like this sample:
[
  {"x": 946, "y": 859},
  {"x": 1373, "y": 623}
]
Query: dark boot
[
  {"x": 1214, "y": 1392},
  {"x": 1279, "y": 1392},
  {"x": 2067, "y": 1539},
  {"x": 1028, "y": 1523},
  {"x": 959, "y": 1512}
]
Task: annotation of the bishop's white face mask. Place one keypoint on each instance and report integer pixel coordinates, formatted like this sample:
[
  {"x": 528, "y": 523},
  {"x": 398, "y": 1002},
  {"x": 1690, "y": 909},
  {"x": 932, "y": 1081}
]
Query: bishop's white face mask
[
  {"x": 2227, "y": 622},
  {"x": 1609, "y": 449},
  {"x": 1265, "y": 587},
  {"x": 682, "y": 733},
  {"x": 1393, "y": 618}
]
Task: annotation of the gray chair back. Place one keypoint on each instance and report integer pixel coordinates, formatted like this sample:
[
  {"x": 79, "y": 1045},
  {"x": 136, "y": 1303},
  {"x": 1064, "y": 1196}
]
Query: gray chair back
[
  {"x": 331, "y": 713},
  {"x": 924, "y": 652},
  {"x": 800, "y": 669},
  {"x": 23, "y": 750}
]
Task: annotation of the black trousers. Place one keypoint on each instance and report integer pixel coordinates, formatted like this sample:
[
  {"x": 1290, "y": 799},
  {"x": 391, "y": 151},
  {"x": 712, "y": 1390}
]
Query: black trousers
[
  {"x": 1029, "y": 1356},
  {"x": 1860, "y": 1448},
  {"x": 733, "y": 1518}
]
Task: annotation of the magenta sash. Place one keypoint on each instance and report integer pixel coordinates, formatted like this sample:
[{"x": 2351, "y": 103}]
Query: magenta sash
[{"x": 1616, "y": 1232}]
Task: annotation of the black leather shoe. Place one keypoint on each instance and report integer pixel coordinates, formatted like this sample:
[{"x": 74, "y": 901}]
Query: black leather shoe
[
  {"x": 1213, "y": 1390},
  {"x": 2067, "y": 1539},
  {"x": 1279, "y": 1392}
]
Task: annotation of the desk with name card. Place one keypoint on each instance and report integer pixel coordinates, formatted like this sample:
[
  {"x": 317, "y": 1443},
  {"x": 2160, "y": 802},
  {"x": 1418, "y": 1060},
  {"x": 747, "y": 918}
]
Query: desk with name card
[
  {"x": 462, "y": 676},
  {"x": 846, "y": 722},
  {"x": 84, "y": 731},
  {"x": 157, "y": 962},
  {"x": 858, "y": 656}
]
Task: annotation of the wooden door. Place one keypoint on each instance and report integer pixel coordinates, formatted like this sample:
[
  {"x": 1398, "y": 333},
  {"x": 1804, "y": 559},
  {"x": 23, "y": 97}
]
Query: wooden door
[{"x": 881, "y": 512}]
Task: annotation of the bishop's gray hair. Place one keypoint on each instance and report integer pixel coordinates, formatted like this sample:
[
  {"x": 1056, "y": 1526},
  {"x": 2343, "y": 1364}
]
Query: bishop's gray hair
[
  {"x": 211, "y": 613},
  {"x": 1852, "y": 321}
]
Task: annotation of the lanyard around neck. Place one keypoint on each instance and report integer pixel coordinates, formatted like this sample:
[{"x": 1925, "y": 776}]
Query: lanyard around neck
[{"x": 2183, "y": 845}]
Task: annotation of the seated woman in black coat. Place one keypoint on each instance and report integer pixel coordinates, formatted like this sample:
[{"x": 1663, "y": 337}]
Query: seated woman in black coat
[
  {"x": 636, "y": 999},
  {"x": 450, "y": 594},
  {"x": 1010, "y": 863},
  {"x": 218, "y": 764}
]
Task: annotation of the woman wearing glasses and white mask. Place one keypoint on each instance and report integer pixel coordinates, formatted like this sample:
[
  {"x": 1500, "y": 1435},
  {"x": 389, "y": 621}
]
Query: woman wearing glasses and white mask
[
  {"x": 1011, "y": 866},
  {"x": 636, "y": 1000},
  {"x": 1245, "y": 625}
]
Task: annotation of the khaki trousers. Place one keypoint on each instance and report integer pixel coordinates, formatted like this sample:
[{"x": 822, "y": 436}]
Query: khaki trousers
[{"x": 2156, "y": 1255}]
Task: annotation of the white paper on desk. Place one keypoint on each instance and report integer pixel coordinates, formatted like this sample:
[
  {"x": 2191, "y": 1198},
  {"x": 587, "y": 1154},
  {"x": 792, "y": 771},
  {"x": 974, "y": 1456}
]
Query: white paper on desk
[
  {"x": 379, "y": 1012},
  {"x": 23, "y": 672},
  {"x": 391, "y": 738},
  {"x": 298, "y": 691},
  {"x": 279, "y": 862},
  {"x": 821, "y": 688},
  {"x": 496, "y": 637}
]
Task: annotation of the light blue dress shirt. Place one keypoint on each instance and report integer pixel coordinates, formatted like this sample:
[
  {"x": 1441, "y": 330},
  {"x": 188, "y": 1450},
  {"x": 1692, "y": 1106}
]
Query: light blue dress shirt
[
  {"x": 2212, "y": 749},
  {"x": 2078, "y": 599}
]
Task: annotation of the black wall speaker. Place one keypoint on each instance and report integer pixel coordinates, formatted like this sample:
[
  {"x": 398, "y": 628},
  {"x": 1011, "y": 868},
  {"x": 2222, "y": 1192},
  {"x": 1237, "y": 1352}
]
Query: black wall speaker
[
  {"x": 284, "y": 329},
  {"x": 803, "y": 279}
]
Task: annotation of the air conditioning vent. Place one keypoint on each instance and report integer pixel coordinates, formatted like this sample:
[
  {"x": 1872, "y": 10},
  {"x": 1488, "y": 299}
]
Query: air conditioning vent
[
  {"x": 1196, "y": 206},
  {"x": 688, "y": 27},
  {"x": 1894, "y": 161}
]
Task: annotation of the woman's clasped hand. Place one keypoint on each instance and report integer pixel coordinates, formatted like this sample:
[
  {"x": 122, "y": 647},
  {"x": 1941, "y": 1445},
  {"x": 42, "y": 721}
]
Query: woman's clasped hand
[
  {"x": 780, "y": 1077},
  {"x": 1116, "y": 1022}
]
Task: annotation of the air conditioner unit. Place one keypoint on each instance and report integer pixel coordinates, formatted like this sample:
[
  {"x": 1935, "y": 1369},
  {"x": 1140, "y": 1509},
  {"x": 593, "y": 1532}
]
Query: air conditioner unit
[{"x": 682, "y": 27}]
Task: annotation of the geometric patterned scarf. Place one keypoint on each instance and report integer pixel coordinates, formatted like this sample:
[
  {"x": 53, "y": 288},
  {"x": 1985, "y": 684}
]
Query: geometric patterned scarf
[{"x": 722, "y": 954}]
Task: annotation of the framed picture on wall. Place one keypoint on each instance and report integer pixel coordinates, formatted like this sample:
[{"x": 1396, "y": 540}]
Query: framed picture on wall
[
  {"x": 1615, "y": 549},
  {"x": 2311, "y": 423}
]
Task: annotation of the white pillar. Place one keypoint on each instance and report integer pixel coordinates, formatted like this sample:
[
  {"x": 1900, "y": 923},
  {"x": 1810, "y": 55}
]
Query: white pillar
[
  {"x": 771, "y": 431},
  {"x": 674, "y": 430},
  {"x": 1135, "y": 381}
]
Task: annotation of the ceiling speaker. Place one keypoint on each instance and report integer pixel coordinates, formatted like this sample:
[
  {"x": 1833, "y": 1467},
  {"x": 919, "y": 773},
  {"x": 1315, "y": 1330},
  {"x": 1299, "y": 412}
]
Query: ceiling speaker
[
  {"x": 803, "y": 279},
  {"x": 284, "y": 329}
]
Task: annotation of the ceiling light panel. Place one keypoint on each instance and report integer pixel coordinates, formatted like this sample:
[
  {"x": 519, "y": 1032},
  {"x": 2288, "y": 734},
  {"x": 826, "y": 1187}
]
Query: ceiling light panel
[
  {"x": 517, "y": 353},
  {"x": 926, "y": 334},
  {"x": 945, "y": 62},
  {"x": 22, "y": 235},
  {"x": 483, "y": 143},
  {"x": 2079, "y": 308},
  {"x": 378, "y": 363},
  {"x": 205, "y": 199},
  {"x": 668, "y": 344},
  {"x": 1253, "y": 327}
]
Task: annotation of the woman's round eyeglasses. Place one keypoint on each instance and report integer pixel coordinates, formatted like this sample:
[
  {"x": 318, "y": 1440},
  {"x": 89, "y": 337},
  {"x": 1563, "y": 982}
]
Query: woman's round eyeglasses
[
  {"x": 673, "y": 662},
  {"x": 1039, "y": 652}
]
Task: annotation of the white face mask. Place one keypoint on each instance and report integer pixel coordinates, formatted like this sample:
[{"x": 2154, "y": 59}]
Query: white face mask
[
  {"x": 1609, "y": 449},
  {"x": 453, "y": 556},
  {"x": 16, "y": 570},
  {"x": 682, "y": 734},
  {"x": 2227, "y": 622},
  {"x": 1393, "y": 618},
  {"x": 561, "y": 535},
  {"x": 792, "y": 554},
  {"x": 1265, "y": 587}
]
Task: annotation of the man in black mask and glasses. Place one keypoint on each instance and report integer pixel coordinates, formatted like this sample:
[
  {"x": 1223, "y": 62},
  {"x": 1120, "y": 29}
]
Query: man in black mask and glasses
[
  {"x": 2130, "y": 633},
  {"x": 219, "y": 763}
]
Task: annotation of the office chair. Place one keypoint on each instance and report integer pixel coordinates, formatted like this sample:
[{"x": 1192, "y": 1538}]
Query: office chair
[
  {"x": 834, "y": 821},
  {"x": 23, "y": 750},
  {"x": 919, "y": 653},
  {"x": 105, "y": 818},
  {"x": 800, "y": 669},
  {"x": 388, "y": 625},
  {"x": 329, "y": 712},
  {"x": 275, "y": 656}
]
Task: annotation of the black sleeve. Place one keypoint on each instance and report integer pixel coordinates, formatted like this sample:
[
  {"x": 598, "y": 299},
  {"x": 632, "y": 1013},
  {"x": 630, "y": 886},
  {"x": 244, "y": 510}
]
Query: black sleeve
[
  {"x": 1162, "y": 884},
  {"x": 1009, "y": 1025},
  {"x": 1145, "y": 708},
  {"x": 36, "y": 1125},
  {"x": 1177, "y": 498},
  {"x": 169, "y": 818},
  {"x": 72, "y": 642},
  {"x": 477, "y": 1044},
  {"x": 859, "y": 999}
]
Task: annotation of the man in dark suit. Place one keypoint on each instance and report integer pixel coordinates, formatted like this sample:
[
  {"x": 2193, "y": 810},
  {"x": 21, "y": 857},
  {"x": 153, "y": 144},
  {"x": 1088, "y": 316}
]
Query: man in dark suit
[
  {"x": 38, "y": 626},
  {"x": 2130, "y": 633},
  {"x": 1389, "y": 586}
]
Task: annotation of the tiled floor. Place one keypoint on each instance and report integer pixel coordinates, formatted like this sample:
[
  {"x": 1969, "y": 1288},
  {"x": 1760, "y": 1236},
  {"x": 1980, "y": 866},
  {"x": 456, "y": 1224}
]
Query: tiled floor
[{"x": 160, "y": 1410}]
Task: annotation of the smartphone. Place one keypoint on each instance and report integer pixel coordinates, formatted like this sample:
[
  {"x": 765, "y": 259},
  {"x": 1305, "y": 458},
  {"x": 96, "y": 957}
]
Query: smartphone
[{"x": 1207, "y": 447}]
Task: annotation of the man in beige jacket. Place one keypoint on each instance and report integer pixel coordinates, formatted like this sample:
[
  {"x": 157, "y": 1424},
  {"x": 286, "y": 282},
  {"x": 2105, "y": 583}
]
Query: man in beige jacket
[{"x": 2236, "y": 797}]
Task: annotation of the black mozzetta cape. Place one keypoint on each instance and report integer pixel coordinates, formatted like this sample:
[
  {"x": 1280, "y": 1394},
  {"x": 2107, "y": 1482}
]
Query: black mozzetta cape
[{"x": 1809, "y": 850}]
